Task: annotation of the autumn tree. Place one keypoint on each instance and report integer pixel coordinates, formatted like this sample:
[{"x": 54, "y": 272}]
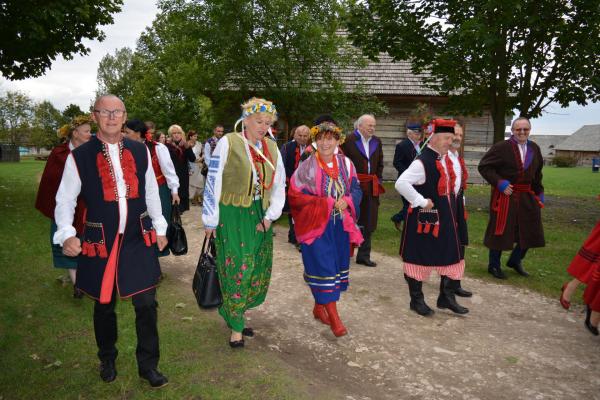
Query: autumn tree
[
  {"x": 503, "y": 54},
  {"x": 16, "y": 111}
]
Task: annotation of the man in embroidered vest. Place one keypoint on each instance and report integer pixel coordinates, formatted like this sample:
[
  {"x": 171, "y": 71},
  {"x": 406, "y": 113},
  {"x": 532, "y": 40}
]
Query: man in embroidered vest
[
  {"x": 514, "y": 169},
  {"x": 430, "y": 239},
  {"x": 291, "y": 153},
  {"x": 117, "y": 255},
  {"x": 364, "y": 149}
]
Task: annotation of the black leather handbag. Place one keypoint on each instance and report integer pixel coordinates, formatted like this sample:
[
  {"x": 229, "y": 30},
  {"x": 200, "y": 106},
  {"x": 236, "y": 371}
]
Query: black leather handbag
[
  {"x": 176, "y": 234},
  {"x": 206, "y": 281}
]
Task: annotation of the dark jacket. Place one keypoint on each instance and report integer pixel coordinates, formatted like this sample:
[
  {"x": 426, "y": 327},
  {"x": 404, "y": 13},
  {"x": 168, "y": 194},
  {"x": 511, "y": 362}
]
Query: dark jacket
[
  {"x": 353, "y": 149},
  {"x": 502, "y": 165},
  {"x": 404, "y": 154}
]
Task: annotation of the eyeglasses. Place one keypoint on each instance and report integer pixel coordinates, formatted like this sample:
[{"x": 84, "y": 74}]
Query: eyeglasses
[
  {"x": 522, "y": 130},
  {"x": 109, "y": 114}
]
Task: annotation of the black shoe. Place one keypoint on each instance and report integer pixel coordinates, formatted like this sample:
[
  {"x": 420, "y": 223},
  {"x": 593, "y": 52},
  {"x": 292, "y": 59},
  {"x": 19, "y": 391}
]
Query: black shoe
[
  {"x": 367, "y": 263},
  {"x": 518, "y": 267},
  {"x": 77, "y": 293},
  {"x": 588, "y": 324},
  {"x": 248, "y": 332},
  {"x": 460, "y": 292},
  {"x": 236, "y": 343},
  {"x": 447, "y": 298},
  {"x": 496, "y": 273},
  {"x": 155, "y": 378},
  {"x": 417, "y": 300},
  {"x": 108, "y": 372}
]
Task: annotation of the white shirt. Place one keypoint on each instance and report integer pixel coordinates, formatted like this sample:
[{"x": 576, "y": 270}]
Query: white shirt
[
  {"x": 212, "y": 189},
  {"x": 523, "y": 151},
  {"x": 414, "y": 175},
  {"x": 167, "y": 167},
  {"x": 365, "y": 143},
  {"x": 207, "y": 152},
  {"x": 70, "y": 187},
  {"x": 457, "y": 170}
]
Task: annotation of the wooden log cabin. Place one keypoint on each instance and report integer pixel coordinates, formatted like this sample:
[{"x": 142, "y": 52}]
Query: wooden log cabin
[{"x": 401, "y": 90}]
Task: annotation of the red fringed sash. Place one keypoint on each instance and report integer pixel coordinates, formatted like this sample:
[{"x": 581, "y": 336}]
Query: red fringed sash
[
  {"x": 107, "y": 174},
  {"x": 160, "y": 178},
  {"x": 366, "y": 180}
]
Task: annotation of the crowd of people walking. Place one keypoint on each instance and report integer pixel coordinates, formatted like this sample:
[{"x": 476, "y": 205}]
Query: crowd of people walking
[{"x": 109, "y": 197}]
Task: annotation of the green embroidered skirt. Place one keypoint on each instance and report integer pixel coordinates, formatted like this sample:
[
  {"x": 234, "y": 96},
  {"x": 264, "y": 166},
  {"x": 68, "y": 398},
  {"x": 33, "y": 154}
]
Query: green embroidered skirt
[{"x": 244, "y": 261}]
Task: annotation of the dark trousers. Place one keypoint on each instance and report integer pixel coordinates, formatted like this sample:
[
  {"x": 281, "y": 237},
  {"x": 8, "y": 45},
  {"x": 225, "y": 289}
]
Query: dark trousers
[
  {"x": 364, "y": 250},
  {"x": 291, "y": 232},
  {"x": 401, "y": 215},
  {"x": 515, "y": 257},
  {"x": 105, "y": 329}
]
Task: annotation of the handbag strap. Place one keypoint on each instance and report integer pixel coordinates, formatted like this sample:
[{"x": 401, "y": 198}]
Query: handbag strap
[
  {"x": 175, "y": 214},
  {"x": 204, "y": 245}
]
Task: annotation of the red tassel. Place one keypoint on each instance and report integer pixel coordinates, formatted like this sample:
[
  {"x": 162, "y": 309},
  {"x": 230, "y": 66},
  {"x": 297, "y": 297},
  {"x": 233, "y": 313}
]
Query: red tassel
[
  {"x": 419, "y": 227},
  {"x": 102, "y": 251},
  {"x": 146, "y": 235},
  {"x": 91, "y": 250},
  {"x": 410, "y": 210},
  {"x": 84, "y": 248},
  {"x": 153, "y": 236},
  {"x": 427, "y": 227},
  {"x": 436, "y": 230}
]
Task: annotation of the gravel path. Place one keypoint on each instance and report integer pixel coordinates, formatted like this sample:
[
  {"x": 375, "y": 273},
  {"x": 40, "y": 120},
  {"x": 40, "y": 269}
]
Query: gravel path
[{"x": 514, "y": 344}]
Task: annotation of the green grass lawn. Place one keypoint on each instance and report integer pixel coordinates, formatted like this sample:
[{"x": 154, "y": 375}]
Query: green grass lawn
[{"x": 47, "y": 348}]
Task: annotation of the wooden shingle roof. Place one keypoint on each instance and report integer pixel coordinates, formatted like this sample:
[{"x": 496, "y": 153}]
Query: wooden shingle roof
[
  {"x": 386, "y": 77},
  {"x": 586, "y": 138}
]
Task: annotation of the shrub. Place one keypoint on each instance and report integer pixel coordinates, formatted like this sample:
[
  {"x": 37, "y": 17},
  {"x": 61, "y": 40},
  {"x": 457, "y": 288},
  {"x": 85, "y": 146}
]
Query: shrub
[{"x": 564, "y": 161}]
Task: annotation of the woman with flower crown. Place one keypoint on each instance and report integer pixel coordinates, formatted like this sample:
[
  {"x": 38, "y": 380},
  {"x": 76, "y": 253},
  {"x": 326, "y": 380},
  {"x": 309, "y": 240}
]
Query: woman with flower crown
[
  {"x": 74, "y": 134},
  {"x": 244, "y": 193},
  {"x": 324, "y": 197}
]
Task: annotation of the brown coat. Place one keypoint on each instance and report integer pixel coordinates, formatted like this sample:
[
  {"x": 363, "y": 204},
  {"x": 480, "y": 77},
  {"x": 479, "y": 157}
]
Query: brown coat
[
  {"x": 501, "y": 163},
  {"x": 369, "y": 205}
]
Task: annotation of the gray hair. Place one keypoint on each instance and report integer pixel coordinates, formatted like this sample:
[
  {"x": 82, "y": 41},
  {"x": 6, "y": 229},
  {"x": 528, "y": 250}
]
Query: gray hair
[
  {"x": 107, "y": 96},
  {"x": 360, "y": 119}
]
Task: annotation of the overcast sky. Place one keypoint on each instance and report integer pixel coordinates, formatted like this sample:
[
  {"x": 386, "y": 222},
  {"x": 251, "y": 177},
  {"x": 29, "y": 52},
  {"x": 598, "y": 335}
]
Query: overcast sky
[{"x": 75, "y": 81}]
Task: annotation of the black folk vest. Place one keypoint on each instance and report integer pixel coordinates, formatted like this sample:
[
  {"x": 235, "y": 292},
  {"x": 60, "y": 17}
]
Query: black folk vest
[
  {"x": 430, "y": 236},
  {"x": 137, "y": 267}
]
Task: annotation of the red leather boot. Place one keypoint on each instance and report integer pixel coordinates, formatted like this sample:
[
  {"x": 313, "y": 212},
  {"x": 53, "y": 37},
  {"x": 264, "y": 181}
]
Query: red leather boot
[
  {"x": 337, "y": 327},
  {"x": 320, "y": 313}
]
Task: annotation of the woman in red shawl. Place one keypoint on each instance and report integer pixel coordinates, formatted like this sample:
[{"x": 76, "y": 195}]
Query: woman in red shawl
[
  {"x": 324, "y": 196},
  {"x": 74, "y": 134}
]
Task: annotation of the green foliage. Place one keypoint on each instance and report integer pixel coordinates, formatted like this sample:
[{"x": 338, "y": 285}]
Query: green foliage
[
  {"x": 16, "y": 113},
  {"x": 505, "y": 54},
  {"x": 46, "y": 121},
  {"x": 70, "y": 112},
  {"x": 34, "y": 33},
  {"x": 225, "y": 51},
  {"x": 564, "y": 161}
]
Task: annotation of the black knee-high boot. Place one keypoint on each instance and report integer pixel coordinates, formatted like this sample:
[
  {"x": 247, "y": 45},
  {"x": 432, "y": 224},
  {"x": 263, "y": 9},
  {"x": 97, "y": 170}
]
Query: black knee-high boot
[
  {"x": 417, "y": 299},
  {"x": 447, "y": 298}
]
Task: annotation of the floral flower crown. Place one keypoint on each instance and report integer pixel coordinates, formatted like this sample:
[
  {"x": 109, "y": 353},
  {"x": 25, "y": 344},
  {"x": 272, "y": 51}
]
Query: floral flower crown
[
  {"x": 260, "y": 108},
  {"x": 79, "y": 120},
  {"x": 327, "y": 128}
]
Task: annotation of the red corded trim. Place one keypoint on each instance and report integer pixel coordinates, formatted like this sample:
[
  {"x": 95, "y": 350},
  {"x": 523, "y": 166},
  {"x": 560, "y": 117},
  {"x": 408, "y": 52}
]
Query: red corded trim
[
  {"x": 464, "y": 173},
  {"x": 451, "y": 173},
  {"x": 442, "y": 185},
  {"x": 109, "y": 187},
  {"x": 129, "y": 174}
]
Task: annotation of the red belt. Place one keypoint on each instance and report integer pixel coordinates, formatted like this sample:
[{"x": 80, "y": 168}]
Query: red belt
[
  {"x": 501, "y": 203},
  {"x": 374, "y": 181}
]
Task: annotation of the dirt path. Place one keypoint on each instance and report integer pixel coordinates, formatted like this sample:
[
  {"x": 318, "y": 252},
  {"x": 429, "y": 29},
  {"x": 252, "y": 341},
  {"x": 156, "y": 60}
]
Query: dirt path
[{"x": 514, "y": 344}]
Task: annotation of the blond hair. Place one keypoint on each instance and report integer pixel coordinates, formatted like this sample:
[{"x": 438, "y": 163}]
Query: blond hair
[{"x": 174, "y": 129}]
